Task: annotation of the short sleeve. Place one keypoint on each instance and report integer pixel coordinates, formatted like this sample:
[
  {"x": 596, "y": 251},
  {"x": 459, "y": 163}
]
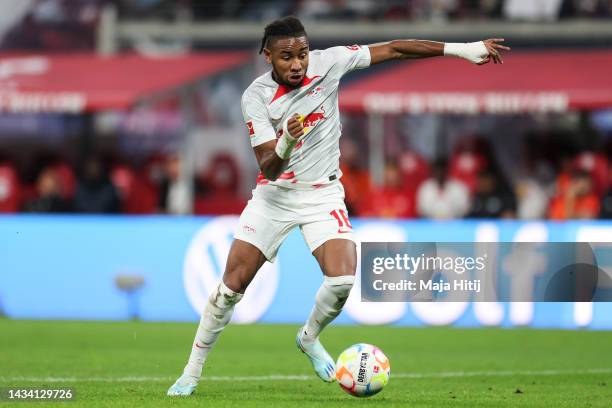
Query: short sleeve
[
  {"x": 256, "y": 118},
  {"x": 349, "y": 58}
]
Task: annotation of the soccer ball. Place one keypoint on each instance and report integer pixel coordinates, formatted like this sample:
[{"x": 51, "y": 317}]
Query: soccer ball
[{"x": 362, "y": 370}]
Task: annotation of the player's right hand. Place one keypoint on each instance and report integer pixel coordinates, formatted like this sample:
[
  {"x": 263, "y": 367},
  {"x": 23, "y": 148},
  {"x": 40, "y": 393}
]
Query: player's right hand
[{"x": 294, "y": 126}]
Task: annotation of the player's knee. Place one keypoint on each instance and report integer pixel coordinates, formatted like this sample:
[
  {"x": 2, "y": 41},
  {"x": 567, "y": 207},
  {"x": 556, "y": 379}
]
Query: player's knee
[
  {"x": 340, "y": 266},
  {"x": 339, "y": 270}
]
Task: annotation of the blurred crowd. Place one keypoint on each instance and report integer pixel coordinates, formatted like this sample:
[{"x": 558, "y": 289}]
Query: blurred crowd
[
  {"x": 101, "y": 185},
  {"x": 71, "y": 24},
  {"x": 553, "y": 182},
  {"x": 49, "y": 24},
  {"x": 372, "y": 10}
]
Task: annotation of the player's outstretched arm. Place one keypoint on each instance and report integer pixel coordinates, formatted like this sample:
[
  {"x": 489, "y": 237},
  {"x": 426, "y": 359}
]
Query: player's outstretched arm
[
  {"x": 272, "y": 156},
  {"x": 480, "y": 52}
]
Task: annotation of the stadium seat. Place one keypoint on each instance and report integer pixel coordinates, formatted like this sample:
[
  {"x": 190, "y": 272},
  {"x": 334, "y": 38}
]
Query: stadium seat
[
  {"x": 221, "y": 180},
  {"x": 414, "y": 169},
  {"x": 137, "y": 197},
  {"x": 218, "y": 204}
]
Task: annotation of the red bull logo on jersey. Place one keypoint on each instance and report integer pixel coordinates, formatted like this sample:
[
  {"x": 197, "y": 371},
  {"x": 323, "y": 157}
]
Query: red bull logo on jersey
[{"x": 313, "y": 119}]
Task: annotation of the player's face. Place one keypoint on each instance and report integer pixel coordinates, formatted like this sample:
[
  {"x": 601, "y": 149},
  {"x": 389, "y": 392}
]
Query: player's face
[{"x": 289, "y": 59}]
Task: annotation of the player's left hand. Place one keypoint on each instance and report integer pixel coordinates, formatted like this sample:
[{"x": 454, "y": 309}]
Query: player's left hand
[{"x": 493, "y": 47}]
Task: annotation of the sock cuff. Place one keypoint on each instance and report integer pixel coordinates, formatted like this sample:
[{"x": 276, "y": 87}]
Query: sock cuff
[
  {"x": 339, "y": 280},
  {"x": 224, "y": 290},
  {"x": 224, "y": 296}
]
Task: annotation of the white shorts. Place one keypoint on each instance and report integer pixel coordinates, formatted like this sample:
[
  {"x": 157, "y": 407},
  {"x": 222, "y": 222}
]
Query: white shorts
[{"x": 274, "y": 211}]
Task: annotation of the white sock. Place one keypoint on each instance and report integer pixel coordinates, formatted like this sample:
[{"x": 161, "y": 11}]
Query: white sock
[
  {"x": 328, "y": 304},
  {"x": 216, "y": 315}
]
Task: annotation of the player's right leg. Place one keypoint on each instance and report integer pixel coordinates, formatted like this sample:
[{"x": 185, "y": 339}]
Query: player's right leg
[
  {"x": 328, "y": 233},
  {"x": 244, "y": 260},
  {"x": 262, "y": 228},
  {"x": 338, "y": 259}
]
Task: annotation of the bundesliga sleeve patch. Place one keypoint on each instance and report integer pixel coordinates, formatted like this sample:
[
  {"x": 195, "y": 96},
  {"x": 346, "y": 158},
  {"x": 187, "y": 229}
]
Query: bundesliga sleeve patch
[
  {"x": 353, "y": 47},
  {"x": 250, "y": 128}
]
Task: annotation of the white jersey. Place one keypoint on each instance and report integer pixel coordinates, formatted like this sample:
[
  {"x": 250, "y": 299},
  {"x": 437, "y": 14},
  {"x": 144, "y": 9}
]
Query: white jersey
[{"x": 266, "y": 105}]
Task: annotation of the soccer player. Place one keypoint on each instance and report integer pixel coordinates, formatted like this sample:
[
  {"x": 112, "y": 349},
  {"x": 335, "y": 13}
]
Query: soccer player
[{"x": 292, "y": 117}]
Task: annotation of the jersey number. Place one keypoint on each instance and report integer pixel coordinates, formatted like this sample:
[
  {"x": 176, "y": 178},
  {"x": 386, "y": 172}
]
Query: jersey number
[{"x": 342, "y": 218}]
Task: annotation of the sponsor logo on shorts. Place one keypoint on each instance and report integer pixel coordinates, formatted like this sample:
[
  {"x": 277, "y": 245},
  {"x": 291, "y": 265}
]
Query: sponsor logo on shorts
[{"x": 249, "y": 229}]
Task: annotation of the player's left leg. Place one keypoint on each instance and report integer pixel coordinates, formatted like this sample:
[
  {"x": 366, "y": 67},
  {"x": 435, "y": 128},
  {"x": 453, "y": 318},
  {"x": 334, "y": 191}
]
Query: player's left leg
[{"x": 328, "y": 232}]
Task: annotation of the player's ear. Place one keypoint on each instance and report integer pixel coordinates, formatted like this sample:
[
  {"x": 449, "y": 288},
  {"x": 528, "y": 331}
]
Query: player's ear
[{"x": 267, "y": 55}]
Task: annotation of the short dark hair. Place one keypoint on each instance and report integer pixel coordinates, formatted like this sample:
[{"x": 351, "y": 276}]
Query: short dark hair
[{"x": 288, "y": 26}]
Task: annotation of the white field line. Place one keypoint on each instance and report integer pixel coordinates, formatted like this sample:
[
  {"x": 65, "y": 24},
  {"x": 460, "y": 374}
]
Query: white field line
[{"x": 443, "y": 374}]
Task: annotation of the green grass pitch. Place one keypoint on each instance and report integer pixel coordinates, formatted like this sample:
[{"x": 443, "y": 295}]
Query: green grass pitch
[{"x": 132, "y": 364}]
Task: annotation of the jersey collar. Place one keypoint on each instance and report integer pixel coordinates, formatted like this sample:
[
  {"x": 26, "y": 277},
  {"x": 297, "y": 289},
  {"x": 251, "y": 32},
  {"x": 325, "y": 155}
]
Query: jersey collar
[{"x": 283, "y": 90}]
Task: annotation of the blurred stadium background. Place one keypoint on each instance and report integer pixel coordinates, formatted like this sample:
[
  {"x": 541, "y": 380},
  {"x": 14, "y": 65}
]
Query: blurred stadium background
[
  {"x": 124, "y": 161},
  {"x": 130, "y": 108}
]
